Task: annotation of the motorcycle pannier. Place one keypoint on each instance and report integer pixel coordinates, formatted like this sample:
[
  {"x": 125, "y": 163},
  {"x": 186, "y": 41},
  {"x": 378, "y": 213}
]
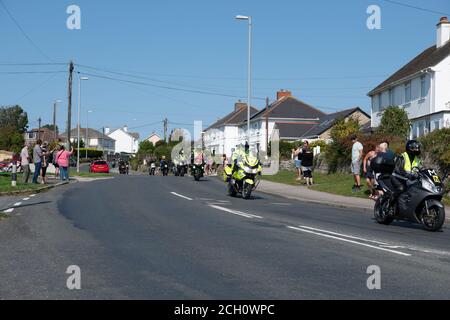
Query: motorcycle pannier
[{"x": 382, "y": 164}]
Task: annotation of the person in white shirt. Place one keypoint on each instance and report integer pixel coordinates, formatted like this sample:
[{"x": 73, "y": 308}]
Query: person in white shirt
[
  {"x": 357, "y": 156},
  {"x": 25, "y": 163}
]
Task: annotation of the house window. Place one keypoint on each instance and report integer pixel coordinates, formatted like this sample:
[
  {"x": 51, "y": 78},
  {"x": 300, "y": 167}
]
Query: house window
[
  {"x": 437, "y": 125},
  {"x": 408, "y": 92},
  {"x": 380, "y": 102},
  {"x": 423, "y": 87},
  {"x": 391, "y": 97}
]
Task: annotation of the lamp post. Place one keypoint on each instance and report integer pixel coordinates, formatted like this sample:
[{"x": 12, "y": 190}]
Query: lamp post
[
  {"x": 249, "y": 97},
  {"x": 87, "y": 143},
  {"x": 55, "y": 103},
  {"x": 78, "y": 129}
]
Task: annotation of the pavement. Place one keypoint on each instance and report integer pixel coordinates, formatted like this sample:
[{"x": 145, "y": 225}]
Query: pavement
[{"x": 142, "y": 237}]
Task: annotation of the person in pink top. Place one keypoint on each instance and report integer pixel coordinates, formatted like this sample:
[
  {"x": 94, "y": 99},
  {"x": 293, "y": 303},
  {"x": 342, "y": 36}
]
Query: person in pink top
[{"x": 63, "y": 160}]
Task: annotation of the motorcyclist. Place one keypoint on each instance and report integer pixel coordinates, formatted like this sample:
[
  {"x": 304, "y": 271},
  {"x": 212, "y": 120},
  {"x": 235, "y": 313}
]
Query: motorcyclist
[
  {"x": 404, "y": 165},
  {"x": 239, "y": 154}
]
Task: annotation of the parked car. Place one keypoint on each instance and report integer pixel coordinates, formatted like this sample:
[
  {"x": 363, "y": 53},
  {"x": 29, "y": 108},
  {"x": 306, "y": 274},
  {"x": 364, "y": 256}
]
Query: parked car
[{"x": 99, "y": 166}]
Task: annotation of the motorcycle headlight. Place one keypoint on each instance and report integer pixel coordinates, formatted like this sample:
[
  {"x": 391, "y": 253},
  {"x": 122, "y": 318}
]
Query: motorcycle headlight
[
  {"x": 250, "y": 171},
  {"x": 428, "y": 185}
]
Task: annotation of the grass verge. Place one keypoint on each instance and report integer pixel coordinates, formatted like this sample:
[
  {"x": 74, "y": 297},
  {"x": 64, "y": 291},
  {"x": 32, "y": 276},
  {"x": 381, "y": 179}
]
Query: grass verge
[{"x": 5, "y": 184}]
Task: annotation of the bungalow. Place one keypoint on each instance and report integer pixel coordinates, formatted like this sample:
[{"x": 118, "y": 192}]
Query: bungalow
[
  {"x": 322, "y": 130},
  {"x": 421, "y": 87}
]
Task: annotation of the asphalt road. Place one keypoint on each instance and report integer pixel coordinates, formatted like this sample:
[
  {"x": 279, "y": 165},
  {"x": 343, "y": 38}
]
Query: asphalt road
[{"x": 141, "y": 237}]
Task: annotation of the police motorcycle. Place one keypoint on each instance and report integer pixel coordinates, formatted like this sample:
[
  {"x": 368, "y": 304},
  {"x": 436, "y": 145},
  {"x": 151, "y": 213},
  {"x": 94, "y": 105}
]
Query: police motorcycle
[
  {"x": 152, "y": 170},
  {"x": 420, "y": 203},
  {"x": 241, "y": 177},
  {"x": 164, "y": 167}
]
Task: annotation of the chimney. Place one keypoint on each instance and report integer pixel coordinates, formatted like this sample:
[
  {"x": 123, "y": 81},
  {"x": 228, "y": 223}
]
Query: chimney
[
  {"x": 443, "y": 32},
  {"x": 239, "y": 105},
  {"x": 283, "y": 93},
  {"x": 107, "y": 130},
  {"x": 125, "y": 128}
]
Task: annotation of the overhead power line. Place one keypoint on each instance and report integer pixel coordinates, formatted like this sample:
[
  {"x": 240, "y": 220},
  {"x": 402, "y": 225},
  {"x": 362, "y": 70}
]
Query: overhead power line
[
  {"x": 167, "y": 87},
  {"x": 31, "y": 72},
  {"x": 23, "y": 31},
  {"x": 416, "y": 7}
]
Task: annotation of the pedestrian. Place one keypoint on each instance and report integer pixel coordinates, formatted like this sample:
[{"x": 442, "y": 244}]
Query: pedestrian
[
  {"x": 307, "y": 163},
  {"x": 357, "y": 157},
  {"x": 63, "y": 160},
  {"x": 297, "y": 155},
  {"x": 37, "y": 160},
  {"x": 25, "y": 163},
  {"x": 368, "y": 172},
  {"x": 45, "y": 161},
  {"x": 54, "y": 153}
]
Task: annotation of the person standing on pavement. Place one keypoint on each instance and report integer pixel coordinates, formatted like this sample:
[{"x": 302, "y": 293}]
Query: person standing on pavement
[
  {"x": 45, "y": 161},
  {"x": 357, "y": 157},
  {"x": 368, "y": 172},
  {"x": 25, "y": 162},
  {"x": 307, "y": 163},
  {"x": 63, "y": 160},
  {"x": 37, "y": 160}
]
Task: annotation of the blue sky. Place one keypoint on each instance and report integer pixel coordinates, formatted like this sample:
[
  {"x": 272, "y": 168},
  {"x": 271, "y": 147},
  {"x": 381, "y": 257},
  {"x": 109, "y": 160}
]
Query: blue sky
[{"x": 321, "y": 50}]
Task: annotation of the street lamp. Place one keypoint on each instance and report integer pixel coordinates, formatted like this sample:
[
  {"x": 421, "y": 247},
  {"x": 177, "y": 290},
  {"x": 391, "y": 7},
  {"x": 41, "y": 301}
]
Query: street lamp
[
  {"x": 79, "y": 108},
  {"x": 249, "y": 99},
  {"x": 54, "y": 118},
  {"x": 87, "y": 143}
]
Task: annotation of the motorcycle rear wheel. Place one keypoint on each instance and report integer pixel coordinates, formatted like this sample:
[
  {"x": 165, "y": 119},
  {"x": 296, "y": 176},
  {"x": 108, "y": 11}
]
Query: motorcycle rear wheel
[
  {"x": 435, "y": 220},
  {"x": 381, "y": 216}
]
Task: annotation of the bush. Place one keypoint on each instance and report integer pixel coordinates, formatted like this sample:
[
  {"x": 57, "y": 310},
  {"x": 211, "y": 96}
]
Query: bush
[
  {"x": 395, "y": 122},
  {"x": 92, "y": 153},
  {"x": 436, "y": 146}
]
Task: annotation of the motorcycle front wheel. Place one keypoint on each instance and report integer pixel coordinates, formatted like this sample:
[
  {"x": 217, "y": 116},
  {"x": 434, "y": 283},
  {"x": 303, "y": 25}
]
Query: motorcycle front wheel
[
  {"x": 381, "y": 216},
  {"x": 434, "y": 219},
  {"x": 247, "y": 191},
  {"x": 231, "y": 190}
]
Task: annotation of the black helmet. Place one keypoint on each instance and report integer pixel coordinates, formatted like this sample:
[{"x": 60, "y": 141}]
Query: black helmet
[
  {"x": 413, "y": 147},
  {"x": 247, "y": 147}
]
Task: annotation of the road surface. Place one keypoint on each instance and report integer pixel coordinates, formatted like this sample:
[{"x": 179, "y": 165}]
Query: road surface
[{"x": 141, "y": 237}]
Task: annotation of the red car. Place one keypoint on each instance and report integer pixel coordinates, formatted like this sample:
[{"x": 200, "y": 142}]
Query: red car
[{"x": 99, "y": 167}]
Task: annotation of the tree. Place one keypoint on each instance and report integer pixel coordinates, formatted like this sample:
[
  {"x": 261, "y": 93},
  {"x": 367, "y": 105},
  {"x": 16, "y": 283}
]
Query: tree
[
  {"x": 50, "y": 127},
  {"x": 146, "y": 148},
  {"x": 395, "y": 122},
  {"x": 14, "y": 117},
  {"x": 13, "y": 124}
]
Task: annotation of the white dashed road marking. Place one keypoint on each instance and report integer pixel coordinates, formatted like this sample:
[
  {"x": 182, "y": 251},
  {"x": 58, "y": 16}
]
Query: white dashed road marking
[
  {"x": 25, "y": 199},
  {"x": 17, "y": 204},
  {"x": 181, "y": 196},
  {"x": 238, "y": 213},
  {"x": 348, "y": 240},
  {"x": 9, "y": 210}
]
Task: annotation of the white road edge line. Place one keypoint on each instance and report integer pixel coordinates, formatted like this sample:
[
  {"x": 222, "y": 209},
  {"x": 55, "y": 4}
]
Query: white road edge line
[
  {"x": 17, "y": 204},
  {"x": 33, "y": 195},
  {"x": 181, "y": 196},
  {"x": 25, "y": 199},
  {"x": 9, "y": 210},
  {"x": 238, "y": 213},
  {"x": 350, "y": 241},
  {"x": 347, "y": 236}
]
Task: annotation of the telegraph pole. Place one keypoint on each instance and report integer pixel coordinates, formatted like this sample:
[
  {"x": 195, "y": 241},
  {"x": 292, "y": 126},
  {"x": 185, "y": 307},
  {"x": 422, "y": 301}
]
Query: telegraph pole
[
  {"x": 166, "y": 122},
  {"x": 54, "y": 122},
  {"x": 69, "y": 108},
  {"x": 39, "y": 131}
]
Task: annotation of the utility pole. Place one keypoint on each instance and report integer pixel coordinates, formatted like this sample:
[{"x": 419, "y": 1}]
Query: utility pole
[
  {"x": 166, "y": 122},
  {"x": 267, "y": 125},
  {"x": 39, "y": 130},
  {"x": 69, "y": 108},
  {"x": 54, "y": 122}
]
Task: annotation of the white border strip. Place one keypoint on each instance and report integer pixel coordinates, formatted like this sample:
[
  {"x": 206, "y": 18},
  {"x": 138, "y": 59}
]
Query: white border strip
[{"x": 181, "y": 196}]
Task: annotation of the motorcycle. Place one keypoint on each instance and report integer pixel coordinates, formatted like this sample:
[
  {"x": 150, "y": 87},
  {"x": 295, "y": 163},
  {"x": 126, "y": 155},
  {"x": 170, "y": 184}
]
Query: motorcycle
[
  {"x": 242, "y": 178},
  {"x": 164, "y": 169},
  {"x": 123, "y": 168},
  {"x": 152, "y": 170},
  {"x": 420, "y": 203},
  {"x": 182, "y": 168},
  {"x": 198, "y": 171}
]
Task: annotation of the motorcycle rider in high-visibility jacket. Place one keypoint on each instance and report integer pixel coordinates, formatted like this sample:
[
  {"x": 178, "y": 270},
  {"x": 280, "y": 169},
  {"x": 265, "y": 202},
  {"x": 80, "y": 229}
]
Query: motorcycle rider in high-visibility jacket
[{"x": 404, "y": 165}]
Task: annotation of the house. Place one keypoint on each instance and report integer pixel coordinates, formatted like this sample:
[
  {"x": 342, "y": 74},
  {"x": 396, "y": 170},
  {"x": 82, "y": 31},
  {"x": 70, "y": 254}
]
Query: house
[
  {"x": 421, "y": 87},
  {"x": 126, "y": 142},
  {"x": 95, "y": 139},
  {"x": 322, "y": 130},
  {"x": 154, "y": 138},
  {"x": 44, "y": 134},
  {"x": 291, "y": 116},
  {"x": 221, "y": 137}
]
